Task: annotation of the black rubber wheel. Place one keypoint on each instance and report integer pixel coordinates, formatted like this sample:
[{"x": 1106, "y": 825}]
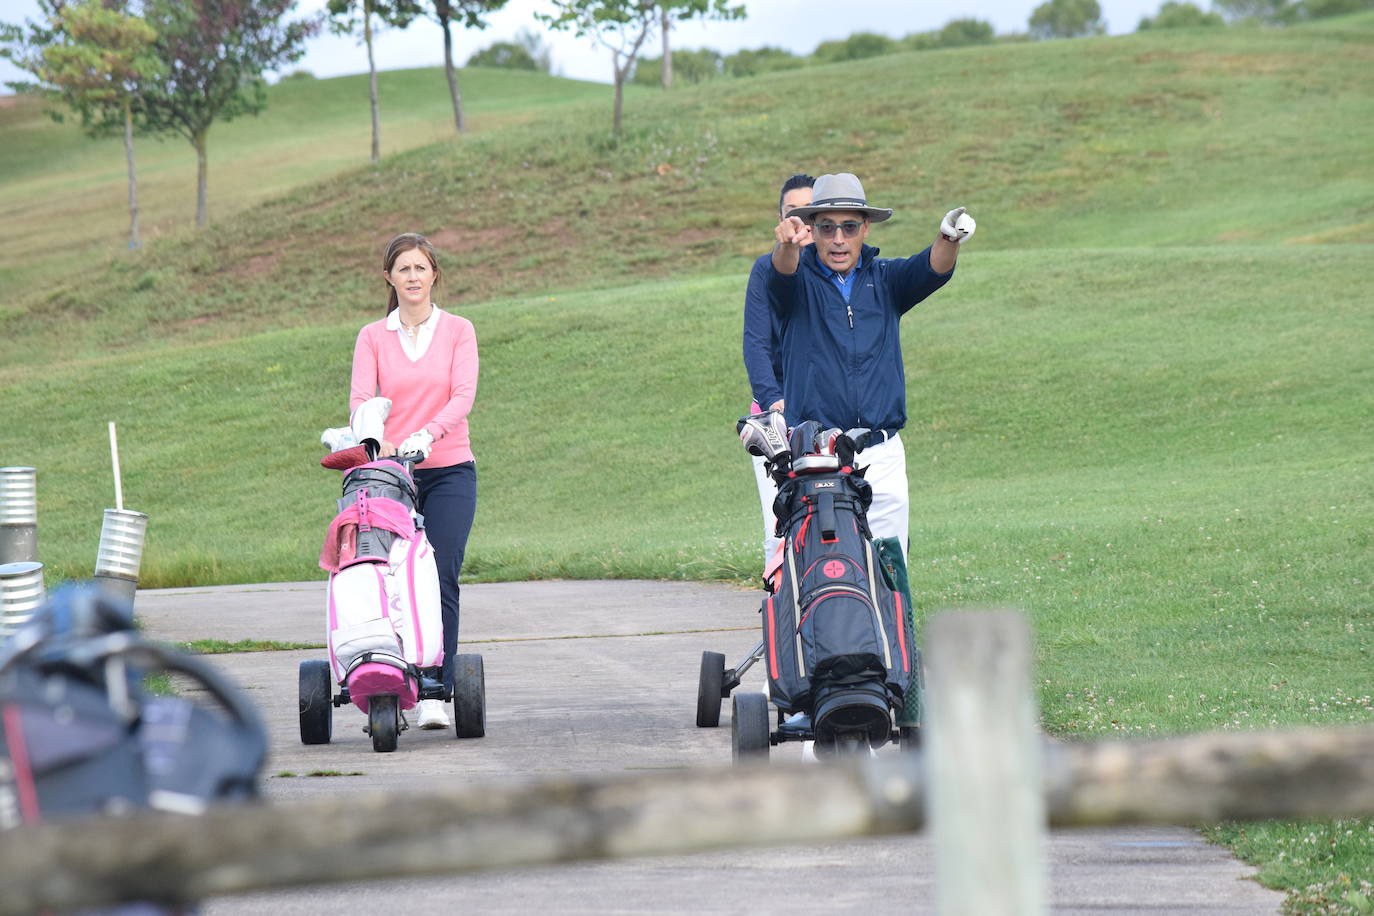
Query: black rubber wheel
[
  {"x": 710, "y": 689},
  {"x": 383, "y": 722},
  {"x": 317, "y": 702},
  {"x": 469, "y": 697},
  {"x": 909, "y": 738},
  {"x": 749, "y": 727}
]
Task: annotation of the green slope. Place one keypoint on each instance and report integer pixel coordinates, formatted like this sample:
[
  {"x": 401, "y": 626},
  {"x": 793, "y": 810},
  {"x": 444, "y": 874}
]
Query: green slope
[{"x": 1184, "y": 139}]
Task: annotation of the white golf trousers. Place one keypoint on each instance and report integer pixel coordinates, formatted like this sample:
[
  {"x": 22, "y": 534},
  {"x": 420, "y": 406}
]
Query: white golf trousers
[
  {"x": 768, "y": 491},
  {"x": 890, "y": 514}
]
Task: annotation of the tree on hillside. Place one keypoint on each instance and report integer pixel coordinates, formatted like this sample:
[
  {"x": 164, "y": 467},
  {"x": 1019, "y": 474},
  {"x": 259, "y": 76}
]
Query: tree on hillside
[
  {"x": 213, "y": 55},
  {"x": 1174, "y": 15},
  {"x": 622, "y": 27},
  {"x": 346, "y": 17},
  {"x": 470, "y": 14},
  {"x": 1067, "y": 19},
  {"x": 91, "y": 58},
  {"x": 669, "y": 11}
]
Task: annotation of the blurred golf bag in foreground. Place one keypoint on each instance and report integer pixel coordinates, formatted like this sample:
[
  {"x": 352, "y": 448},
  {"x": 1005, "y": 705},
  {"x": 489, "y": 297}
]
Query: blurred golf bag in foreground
[
  {"x": 80, "y": 734},
  {"x": 838, "y": 642}
]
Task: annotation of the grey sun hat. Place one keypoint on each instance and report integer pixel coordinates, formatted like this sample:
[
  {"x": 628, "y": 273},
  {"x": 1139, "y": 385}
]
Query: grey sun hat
[{"x": 839, "y": 192}]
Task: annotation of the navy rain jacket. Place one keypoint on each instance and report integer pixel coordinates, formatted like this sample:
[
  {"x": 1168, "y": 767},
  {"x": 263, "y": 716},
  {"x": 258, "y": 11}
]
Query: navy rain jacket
[
  {"x": 762, "y": 330},
  {"x": 842, "y": 365}
]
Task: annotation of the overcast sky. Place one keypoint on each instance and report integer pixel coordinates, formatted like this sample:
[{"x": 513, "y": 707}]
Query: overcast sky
[{"x": 797, "y": 25}]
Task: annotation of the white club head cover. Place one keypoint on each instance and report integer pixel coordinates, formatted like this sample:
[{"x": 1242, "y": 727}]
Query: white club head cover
[
  {"x": 339, "y": 438},
  {"x": 957, "y": 225},
  {"x": 369, "y": 420}
]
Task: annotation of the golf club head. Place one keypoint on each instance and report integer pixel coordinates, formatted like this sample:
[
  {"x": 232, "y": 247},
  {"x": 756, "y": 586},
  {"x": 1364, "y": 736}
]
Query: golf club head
[
  {"x": 858, "y": 437},
  {"x": 804, "y": 438},
  {"x": 826, "y": 439},
  {"x": 761, "y": 436}
]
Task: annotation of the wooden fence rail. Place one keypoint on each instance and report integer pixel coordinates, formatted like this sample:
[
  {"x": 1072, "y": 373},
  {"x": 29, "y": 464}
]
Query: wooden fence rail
[{"x": 1188, "y": 780}]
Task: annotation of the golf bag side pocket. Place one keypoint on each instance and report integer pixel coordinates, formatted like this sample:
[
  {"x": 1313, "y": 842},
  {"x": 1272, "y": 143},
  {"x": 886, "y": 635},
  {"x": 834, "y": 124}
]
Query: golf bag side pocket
[{"x": 359, "y": 616}]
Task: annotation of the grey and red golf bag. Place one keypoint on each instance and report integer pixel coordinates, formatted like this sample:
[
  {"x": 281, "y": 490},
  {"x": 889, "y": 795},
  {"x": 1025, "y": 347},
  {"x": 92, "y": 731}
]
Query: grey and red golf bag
[{"x": 836, "y": 636}]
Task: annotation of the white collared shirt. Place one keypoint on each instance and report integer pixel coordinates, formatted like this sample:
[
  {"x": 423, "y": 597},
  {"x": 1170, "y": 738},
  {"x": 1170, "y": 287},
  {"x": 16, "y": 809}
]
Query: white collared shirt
[{"x": 424, "y": 332}]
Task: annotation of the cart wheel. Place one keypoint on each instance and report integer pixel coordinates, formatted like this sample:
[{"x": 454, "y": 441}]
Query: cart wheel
[
  {"x": 710, "y": 689},
  {"x": 909, "y": 738},
  {"x": 382, "y": 722},
  {"x": 469, "y": 697},
  {"x": 749, "y": 727},
  {"x": 316, "y": 698}
]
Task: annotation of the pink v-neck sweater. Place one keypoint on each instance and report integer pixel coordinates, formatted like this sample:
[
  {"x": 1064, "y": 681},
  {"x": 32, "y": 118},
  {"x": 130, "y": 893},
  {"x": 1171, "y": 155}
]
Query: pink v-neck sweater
[{"x": 434, "y": 392}]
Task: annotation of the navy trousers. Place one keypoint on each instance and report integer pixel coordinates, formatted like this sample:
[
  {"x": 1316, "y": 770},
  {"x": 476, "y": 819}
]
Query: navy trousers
[{"x": 448, "y": 501}]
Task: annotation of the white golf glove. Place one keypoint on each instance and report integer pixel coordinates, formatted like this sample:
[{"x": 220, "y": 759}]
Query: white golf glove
[
  {"x": 957, "y": 225},
  {"x": 418, "y": 443}
]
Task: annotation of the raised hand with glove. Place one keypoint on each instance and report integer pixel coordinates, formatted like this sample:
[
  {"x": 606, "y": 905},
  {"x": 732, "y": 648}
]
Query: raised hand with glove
[
  {"x": 957, "y": 226},
  {"x": 417, "y": 443},
  {"x": 955, "y": 229}
]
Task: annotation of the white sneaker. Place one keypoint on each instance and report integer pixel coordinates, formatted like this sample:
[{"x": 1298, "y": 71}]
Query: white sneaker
[{"x": 432, "y": 714}]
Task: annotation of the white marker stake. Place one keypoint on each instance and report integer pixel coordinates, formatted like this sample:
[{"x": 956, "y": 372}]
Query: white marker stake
[{"x": 114, "y": 459}]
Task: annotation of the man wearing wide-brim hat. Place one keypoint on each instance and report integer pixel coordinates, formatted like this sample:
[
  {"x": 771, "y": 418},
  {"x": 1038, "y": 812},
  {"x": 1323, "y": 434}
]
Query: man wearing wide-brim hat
[{"x": 839, "y": 305}]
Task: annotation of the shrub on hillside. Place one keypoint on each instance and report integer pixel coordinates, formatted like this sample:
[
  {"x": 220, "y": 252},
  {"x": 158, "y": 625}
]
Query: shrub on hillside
[
  {"x": 955, "y": 34},
  {"x": 855, "y": 47},
  {"x": 761, "y": 60},
  {"x": 1174, "y": 15},
  {"x": 1067, "y": 19},
  {"x": 526, "y": 52},
  {"x": 1322, "y": 9},
  {"x": 505, "y": 55}
]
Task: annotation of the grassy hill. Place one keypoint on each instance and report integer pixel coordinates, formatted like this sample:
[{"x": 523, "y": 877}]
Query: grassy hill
[
  {"x": 60, "y": 191},
  {"x": 1140, "y": 411}
]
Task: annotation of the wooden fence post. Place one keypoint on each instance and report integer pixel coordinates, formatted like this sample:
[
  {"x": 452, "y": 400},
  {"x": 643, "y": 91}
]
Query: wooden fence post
[{"x": 984, "y": 801}]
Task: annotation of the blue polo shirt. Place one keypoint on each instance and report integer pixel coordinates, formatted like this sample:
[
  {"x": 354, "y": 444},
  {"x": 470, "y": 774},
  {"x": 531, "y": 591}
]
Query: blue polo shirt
[
  {"x": 840, "y": 340},
  {"x": 845, "y": 283}
]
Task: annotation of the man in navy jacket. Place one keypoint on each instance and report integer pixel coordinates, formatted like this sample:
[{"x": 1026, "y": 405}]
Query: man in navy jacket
[{"x": 839, "y": 306}]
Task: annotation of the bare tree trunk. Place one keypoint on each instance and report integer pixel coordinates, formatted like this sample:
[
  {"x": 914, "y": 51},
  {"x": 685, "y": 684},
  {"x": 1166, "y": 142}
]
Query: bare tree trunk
[
  {"x": 452, "y": 75},
  {"x": 133, "y": 175},
  {"x": 663, "y": 24},
  {"x": 372, "y": 81},
  {"x": 202, "y": 173},
  {"x": 619, "y": 98}
]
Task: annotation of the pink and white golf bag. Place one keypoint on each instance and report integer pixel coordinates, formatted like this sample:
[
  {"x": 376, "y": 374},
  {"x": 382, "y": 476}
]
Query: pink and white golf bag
[{"x": 384, "y": 623}]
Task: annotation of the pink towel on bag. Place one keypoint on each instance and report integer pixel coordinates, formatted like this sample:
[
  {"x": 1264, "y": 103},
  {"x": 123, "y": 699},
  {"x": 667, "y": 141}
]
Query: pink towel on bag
[{"x": 341, "y": 540}]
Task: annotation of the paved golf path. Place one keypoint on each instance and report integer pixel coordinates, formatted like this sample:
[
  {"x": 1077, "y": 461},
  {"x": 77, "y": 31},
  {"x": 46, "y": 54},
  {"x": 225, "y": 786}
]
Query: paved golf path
[{"x": 600, "y": 678}]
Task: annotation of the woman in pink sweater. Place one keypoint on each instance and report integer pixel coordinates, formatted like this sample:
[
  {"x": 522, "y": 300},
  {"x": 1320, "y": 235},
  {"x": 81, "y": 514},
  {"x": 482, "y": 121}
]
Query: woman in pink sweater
[{"x": 425, "y": 360}]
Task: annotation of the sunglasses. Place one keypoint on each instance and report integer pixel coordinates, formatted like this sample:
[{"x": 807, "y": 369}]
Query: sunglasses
[{"x": 826, "y": 229}]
